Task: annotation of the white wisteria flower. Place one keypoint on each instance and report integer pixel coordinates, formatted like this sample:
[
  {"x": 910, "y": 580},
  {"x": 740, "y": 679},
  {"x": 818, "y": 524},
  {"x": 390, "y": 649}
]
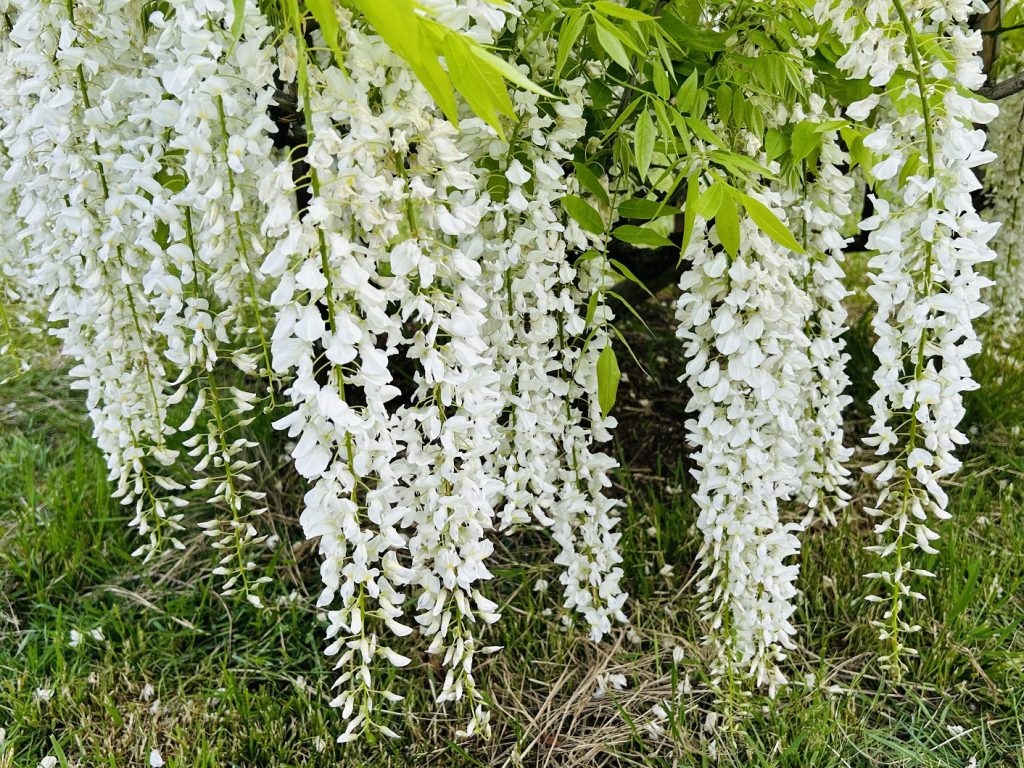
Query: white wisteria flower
[{"x": 926, "y": 239}]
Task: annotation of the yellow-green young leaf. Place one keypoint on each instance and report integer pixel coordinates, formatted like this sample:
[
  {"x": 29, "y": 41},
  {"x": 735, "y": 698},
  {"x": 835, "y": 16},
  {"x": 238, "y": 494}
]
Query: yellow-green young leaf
[
  {"x": 624, "y": 33},
  {"x": 397, "y": 22},
  {"x": 325, "y": 15},
  {"x": 482, "y": 87},
  {"x": 608, "y": 376},
  {"x": 643, "y": 143},
  {"x": 727, "y": 225},
  {"x": 687, "y": 94},
  {"x": 584, "y": 214},
  {"x": 506, "y": 70},
  {"x": 859, "y": 154},
  {"x": 621, "y": 12},
  {"x": 805, "y": 140},
  {"x": 570, "y": 32},
  {"x": 238, "y": 23},
  {"x": 709, "y": 201},
  {"x": 689, "y": 211},
  {"x": 767, "y": 221},
  {"x": 660, "y": 81},
  {"x": 774, "y": 143},
  {"x": 612, "y": 46},
  {"x": 629, "y": 233}
]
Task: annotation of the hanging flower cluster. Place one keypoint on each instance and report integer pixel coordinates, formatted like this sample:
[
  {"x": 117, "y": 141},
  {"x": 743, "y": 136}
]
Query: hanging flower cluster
[
  {"x": 403, "y": 260},
  {"x": 1004, "y": 182},
  {"x": 927, "y": 239},
  {"x": 282, "y": 211},
  {"x": 761, "y": 317},
  {"x": 84, "y": 152},
  {"x": 402, "y": 497},
  {"x": 547, "y": 355},
  {"x": 742, "y": 321},
  {"x": 218, "y": 142},
  {"x": 820, "y": 208},
  {"x": 129, "y": 132}
]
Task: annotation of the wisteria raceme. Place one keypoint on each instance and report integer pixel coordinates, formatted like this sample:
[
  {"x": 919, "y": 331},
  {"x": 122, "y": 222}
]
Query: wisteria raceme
[
  {"x": 277, "y": 215},
  {"x": 742, "y": 321},
  {"x": 219, "y": 142},
  {"x": 390, "y": 479},
  {"x": 426, "y": 471},
  {"x": 91, "y": 206},
  {"x": 761, "y": 324},
  {"x": 819, "y": 208},
  {"x": 927, "y": 239},
  {"x": 1005, "y": 189},
  {"x": 553, "y": 472}
]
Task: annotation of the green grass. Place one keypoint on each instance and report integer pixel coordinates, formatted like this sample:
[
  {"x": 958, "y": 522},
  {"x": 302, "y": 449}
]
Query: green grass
[{"x": 214, "y": 682}]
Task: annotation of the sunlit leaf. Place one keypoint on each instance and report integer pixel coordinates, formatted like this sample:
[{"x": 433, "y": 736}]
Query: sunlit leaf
[
  {"x": 629, "y": 233},
  {"x": 608, "y": 376},
  {"x": 643, "y": 143},
  {"x": 584, "y": 214},
  {"x": 767, "y": 221}
]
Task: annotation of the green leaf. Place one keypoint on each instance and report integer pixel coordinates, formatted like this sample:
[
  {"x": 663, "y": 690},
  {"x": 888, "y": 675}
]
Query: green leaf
[
  {"x": 723, "y": 98},
  {"x": 608, "y": 376},
  {"x": 910, "y": 167},
  {"x": 767, "y": 221},
  {"x": 854, "y": 139},
  {"x": 710, "y": 201},
  {"x": 660, "y": 81},
  {"x": 398, "y": 24},
  {"x": 630, "y": 308},
  {"x": 689, "y": 211},
  {"x": 639, "y": 208},
  {"x": 590, "y": 182},
  {"x": 172, "y": 180},
  {"x": 238, "y": 23},
  {"x": 625, "y": 343},
  {"x": 627, "y": 273},
  {"x": 621, "y": 12},
  {"x": 506, "y": 70},
  {"x": 612, "y": 46},
  {"x": 626, "y": 114},
  {"x": 624, "y": 33},
  {"x": 572, "y": 27},
  {"x": 739, "y": 163},
  {"x": 727, "y": 225},
  {"x": 481, "y": 87},
  {"x": 701, "y": 130},
  {"x": 643, "y": 143},
  {"x": 591, "y": 309},
  {"x": 805, "y": 140},
  {"x": 584, "y": 214},
  {"x": 774, "y": 144},
  {"x": 687, "y": 94},
  {"x": 325, "y": 15},
  {"x": 628, "y": 233}
]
